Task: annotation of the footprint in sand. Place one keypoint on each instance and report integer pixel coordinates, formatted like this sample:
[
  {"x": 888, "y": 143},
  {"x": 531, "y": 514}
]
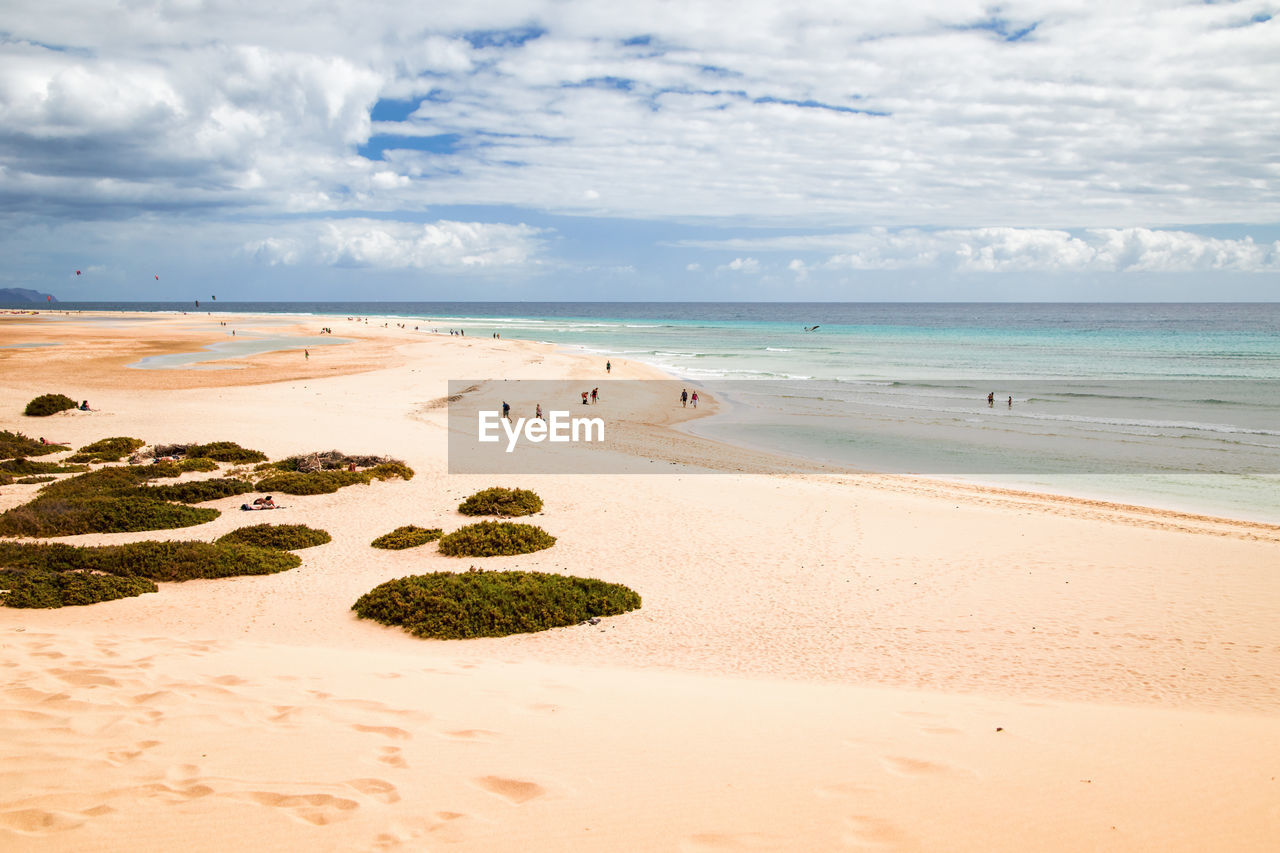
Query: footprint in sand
[
  {"x": 513, "y": 791},
  {"x": 39, "y": 821},
  {"x": 84, "y": 677},
  {"x": 915, "y": 767},
  {"x": 390, "y": 755},
  {"x": 315, "y": 809},
  {"x": 379, "y": 789},
  {"x": 229, "y": 680},
  {"x": 865, "y": 831},
  {"x": 387, "y": 731},
  {"x": 476, "y": 735}
]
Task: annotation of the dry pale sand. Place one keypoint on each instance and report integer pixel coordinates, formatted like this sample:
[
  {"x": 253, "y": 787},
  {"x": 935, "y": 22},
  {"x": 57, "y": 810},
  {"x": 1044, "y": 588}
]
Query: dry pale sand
[{"x": 823, "y": 660}]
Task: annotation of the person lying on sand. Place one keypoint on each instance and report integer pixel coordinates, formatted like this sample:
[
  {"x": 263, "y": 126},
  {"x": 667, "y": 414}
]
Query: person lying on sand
[{"x": 260, "y": 503}]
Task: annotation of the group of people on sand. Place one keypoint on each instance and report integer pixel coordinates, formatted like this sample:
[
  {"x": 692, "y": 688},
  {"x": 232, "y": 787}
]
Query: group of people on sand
[
  {"x": 686, "y": 398},
  {"x": 260, "y": 503},
  {"x": 593, "y": 394}
]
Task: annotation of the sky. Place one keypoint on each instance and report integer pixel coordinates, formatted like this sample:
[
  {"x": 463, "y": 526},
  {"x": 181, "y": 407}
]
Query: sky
[{"x": 1048, "y": 150}]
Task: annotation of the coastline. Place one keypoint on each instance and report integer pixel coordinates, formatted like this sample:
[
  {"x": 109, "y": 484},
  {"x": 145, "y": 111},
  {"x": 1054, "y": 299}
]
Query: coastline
[{"x": 821, "y": 660}]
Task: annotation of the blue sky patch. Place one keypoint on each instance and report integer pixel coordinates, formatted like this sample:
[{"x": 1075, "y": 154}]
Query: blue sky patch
[{"x": 442, "y": 143}]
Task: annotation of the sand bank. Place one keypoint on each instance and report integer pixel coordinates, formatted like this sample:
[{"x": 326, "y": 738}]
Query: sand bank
[{"x": 822, "y": 660}]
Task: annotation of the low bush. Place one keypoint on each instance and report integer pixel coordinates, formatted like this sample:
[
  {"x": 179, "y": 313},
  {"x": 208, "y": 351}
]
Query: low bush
[
  {"x": 387, "y": 470},
  {"x": 506, "y": 503},
  {"x": 38, "y": 478},
  {"x": 15, "y": 444},
  {"x": 282, "y": 537},
  {"x": 65, "y": 589},
  {"x": 49, "y": 404},
  {"x": 409, "y": 536},
  {"x": 225, "y": 451},
  {"x": 162, "y": 468},
  {"x": 109, "y": 500},
  {"x": 495, "y": 539},
  {"x": 157, "y": 561},
  {"x": 330, "y": 460},
  {"x": 448, "y": 606},
  {"x": 198, "y": 491},
  {"x": 107, "y": 450},
  {"x": 315, "y": 483},
  {"x": 22, "y": 467},
  {"x": 327, "y": 482}
]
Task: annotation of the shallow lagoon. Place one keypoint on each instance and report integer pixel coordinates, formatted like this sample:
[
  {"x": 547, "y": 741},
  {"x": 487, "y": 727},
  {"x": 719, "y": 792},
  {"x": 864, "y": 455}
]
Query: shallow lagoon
[{"x": 239, "y": 348}]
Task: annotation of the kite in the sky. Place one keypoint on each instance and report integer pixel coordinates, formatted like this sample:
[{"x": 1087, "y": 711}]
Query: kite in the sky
[
  {"x": 77, "y": 272},
  {"x": 157, "y": 278}
]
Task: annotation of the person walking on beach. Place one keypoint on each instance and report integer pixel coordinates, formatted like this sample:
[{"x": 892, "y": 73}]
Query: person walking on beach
[
  {"x": 684, "y": 397},
  {"x": 537, "y": 412},
  {"x": 695, "y": 399},
  {"x": 608, "y": 367},
  {"x": 1011, "y": 401},
  {"x": 991, "y": 399},
  {"x": 307, "y": 353},
  {"x": 595, "y": 396},
  {"x": 506, "y": 410}
]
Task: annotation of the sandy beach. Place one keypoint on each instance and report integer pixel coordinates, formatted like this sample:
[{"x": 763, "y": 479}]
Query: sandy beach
[{"x": 824, "y": 660}]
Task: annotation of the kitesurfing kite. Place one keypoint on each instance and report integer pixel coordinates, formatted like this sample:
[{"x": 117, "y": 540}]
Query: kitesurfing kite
[
  {"x": 811, "y": 328},
  {"x": 77, "y": 272},
  {"x": 157, "y": 278}
]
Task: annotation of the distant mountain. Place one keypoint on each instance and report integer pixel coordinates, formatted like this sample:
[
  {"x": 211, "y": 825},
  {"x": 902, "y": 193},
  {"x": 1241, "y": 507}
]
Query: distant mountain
[{"x": 21, "y": 295}]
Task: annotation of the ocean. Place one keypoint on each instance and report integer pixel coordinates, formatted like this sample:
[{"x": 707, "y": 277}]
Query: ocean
[{"x": 1173, "y": 405}]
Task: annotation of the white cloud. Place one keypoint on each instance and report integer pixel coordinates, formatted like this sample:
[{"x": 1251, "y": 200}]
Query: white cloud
[
  {"x": 747, "y": 266},
  {"x": 453, "y": 246},
  {"x": 1004, "y": 249},
  {"x": 754, "y": 122}
]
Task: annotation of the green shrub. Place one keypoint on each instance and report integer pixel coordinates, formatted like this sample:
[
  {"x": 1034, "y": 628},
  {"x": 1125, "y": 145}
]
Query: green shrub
[
  {"x": 447, "y": 606},
  {"x": 49, "y": 404},
  {"x": 64, "y": 589},
  {"x": 282, "y": 537},
  {"x": 198, "y": 491},
  {"x": 109, "y": 500},
  {"x": 409, "y": 536},
  {"x": 158, "y": 561},
  {"x": 107, "y": 450},
  {"x": 387, "y": 470},
  {"x": 38, "y": 478},
  {"x": 5, "y": 479},
  {"x": 495, "y": 539},
  {"x": 42, "y": 518},
  {"x": 506, "y": 503},
  {"x": 176, "y": 469},
  {"x": 15, "y": 444},
  {"x": 327, "y": 482},
  {"x": 330, "y": 460},
  {"x": 225, "y": 451},
  {"x": 315, "y": 483},
  {"x": 22, "y": 466}
]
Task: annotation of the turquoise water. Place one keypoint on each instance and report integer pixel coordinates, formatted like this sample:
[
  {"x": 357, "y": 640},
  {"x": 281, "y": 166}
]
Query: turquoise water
[{"x": 1166, "y": 404}]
